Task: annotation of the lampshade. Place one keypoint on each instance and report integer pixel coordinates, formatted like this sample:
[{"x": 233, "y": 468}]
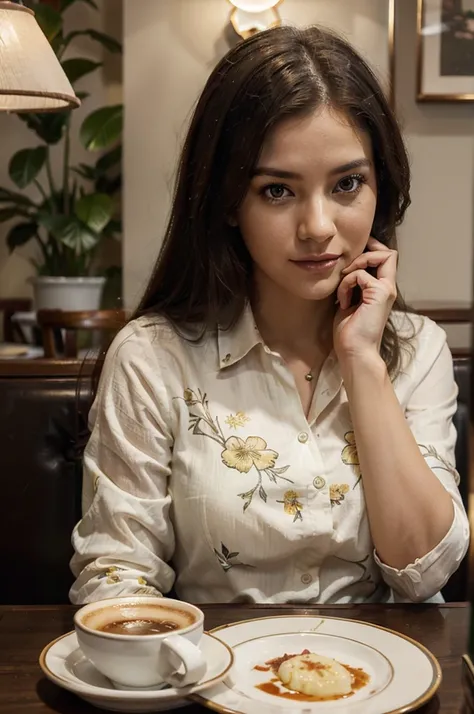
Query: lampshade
[
  {"x": 254, "y": 5},
  {"x": 31, "y": 78}
]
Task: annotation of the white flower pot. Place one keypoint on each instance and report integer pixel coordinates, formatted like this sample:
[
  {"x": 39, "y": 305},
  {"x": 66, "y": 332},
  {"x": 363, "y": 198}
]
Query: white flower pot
[{"x": 67, "y": 293}]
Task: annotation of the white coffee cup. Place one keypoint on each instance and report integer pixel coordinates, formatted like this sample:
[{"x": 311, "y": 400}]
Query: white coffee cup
[{"x": 140, "y": 661}]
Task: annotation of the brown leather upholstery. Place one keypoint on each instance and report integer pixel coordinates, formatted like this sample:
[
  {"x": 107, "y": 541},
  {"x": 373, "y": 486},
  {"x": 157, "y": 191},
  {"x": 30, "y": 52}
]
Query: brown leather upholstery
[
  {"x": 42, "y": 420},
  {"x": 457, "y": 587},
  {"x": 40, "y": 471}
]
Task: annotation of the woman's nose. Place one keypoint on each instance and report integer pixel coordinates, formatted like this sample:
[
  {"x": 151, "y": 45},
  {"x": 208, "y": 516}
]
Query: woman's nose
[{"x": 316, "y": 221}]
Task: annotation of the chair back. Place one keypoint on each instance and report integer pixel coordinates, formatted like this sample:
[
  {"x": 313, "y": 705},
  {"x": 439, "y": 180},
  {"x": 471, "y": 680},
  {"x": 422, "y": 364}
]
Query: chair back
[
  {"x": 8, "y": 306},
  {"x": 60, "y": 328}
]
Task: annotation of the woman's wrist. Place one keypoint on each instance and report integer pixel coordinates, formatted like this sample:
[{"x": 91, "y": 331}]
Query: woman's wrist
[{"x": 367, "y": 367}]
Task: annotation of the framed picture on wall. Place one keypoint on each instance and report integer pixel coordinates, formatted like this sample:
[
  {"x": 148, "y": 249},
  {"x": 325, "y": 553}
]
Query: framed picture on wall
[{"x": 445, "y": 50}]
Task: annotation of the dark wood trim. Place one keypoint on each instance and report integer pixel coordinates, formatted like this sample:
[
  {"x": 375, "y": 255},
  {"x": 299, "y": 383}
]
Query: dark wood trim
[
  {"x": 444, "y": 312},
  {"x": 46, "y": 368}
]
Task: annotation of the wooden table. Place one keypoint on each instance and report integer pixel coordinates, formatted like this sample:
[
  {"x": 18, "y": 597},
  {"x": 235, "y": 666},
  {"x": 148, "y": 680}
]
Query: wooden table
[{"x": 24, "y": 631}]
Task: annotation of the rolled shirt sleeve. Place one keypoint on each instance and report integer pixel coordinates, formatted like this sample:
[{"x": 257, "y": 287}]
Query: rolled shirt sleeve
[
  {"x": 125, "y": 539},
  {"x": 429, "y": 413}
]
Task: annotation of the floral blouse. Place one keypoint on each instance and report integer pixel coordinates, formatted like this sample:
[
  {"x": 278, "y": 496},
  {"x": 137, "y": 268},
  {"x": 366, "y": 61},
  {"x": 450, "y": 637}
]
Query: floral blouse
[{"x": 204, "y": 475}]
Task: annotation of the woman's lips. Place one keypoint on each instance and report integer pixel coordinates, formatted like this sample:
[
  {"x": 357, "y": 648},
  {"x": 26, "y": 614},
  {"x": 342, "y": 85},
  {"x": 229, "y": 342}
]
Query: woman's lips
[{"x": 317, "y": 266}]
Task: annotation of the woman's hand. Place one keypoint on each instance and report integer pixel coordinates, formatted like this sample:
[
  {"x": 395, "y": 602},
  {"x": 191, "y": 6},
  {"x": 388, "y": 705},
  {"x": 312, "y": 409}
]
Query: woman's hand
[{"x": 358, "y": 330}]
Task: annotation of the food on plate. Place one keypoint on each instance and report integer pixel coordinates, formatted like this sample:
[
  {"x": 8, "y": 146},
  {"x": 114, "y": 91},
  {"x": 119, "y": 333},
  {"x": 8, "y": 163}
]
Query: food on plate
[
  {"x": 315, "y": 675},
  {"x": 311, "y": 677}
]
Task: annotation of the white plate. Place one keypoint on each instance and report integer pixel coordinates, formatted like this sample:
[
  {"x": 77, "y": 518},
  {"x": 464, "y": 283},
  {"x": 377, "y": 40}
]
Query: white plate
[
  {"x": 63, "y": 663},
  {"x": 13, "y": 350},
  {"x": 404, "y": 675}
]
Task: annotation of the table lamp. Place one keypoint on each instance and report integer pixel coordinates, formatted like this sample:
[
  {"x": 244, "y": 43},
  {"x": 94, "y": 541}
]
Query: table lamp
[{"x": 31, "y": 77}]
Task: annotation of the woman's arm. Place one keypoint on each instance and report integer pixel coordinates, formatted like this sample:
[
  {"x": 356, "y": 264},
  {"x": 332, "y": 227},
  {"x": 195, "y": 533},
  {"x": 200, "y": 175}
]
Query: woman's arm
[
  {"x": 410, "y": 511},
  {"x": 417, "y": 520},
  {"x": 125, "y": 539}
]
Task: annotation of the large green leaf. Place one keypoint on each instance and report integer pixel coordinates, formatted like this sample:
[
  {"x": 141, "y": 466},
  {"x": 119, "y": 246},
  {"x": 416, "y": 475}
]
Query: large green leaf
[
  {"x": 110, "y": 159},
  {"x": 108, "y": 42},
  {"x": 79, "y": 67},
  {"x": 21, "y": 234},
  {"x": 85, "y": 171},
  {"x": 107, "y": 185},
  {"x": 102, "y": 128},
  {"x": 70, "y": 231},
  {"x": 6, "y": 214},
  {"x": 19, "y": 199},
  {"x": 26, "y": 164},
  {"x": 50, "y": 21},
  {"x": 67, "y": 3},
  {"x": 48, "y": 126},
  {"x": 113, "y": 228},
  {"x": 95, "y": 210}
]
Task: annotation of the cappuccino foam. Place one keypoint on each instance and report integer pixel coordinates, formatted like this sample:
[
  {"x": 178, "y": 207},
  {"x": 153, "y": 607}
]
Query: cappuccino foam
[{"x": 120, "y": 619}]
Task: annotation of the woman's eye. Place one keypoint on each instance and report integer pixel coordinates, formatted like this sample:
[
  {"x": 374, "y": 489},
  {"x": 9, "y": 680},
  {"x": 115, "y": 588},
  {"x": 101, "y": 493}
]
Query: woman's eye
[
  {"x": 350, "y": 184},
  {"x": 275, "y": 192}
]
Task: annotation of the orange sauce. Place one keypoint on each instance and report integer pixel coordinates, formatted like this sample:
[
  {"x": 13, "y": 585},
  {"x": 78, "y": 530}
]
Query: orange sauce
[
  {"x": 277, "y": 689},
  {"x": 261, "y": 668}
]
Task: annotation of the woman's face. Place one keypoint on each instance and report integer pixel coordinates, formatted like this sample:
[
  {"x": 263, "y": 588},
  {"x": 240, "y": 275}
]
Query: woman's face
[{"x": 310, "y": 206}]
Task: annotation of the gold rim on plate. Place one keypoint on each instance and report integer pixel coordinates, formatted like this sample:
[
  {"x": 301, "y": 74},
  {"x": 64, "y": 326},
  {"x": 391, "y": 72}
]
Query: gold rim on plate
[{"x": 412, "y": 706}]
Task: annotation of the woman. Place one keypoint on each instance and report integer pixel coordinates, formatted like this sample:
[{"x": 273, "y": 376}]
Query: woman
[{"x": 273, "y": 427}]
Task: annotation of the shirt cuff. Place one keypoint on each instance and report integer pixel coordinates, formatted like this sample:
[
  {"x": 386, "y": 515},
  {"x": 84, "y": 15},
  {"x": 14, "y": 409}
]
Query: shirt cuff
[{"x": 425, "y": 577}]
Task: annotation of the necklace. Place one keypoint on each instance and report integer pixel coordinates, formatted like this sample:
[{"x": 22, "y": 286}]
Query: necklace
[{"x": 309, "y": 376}]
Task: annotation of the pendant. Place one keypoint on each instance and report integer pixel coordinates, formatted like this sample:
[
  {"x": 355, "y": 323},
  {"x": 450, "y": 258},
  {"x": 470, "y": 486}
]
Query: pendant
[{"x": 308, "y": 377}]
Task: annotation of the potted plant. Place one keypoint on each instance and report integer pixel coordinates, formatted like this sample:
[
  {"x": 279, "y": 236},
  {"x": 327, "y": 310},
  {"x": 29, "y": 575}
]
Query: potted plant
[{"x": 72, "y": 217}]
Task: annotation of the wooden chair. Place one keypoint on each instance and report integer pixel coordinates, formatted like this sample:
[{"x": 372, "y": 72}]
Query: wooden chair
[
  {"x": 8, "y": 306},
  {"x": 55, "y": 323}
]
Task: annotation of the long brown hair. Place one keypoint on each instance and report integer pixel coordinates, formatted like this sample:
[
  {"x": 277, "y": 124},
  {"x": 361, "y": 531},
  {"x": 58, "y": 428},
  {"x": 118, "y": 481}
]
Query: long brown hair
[{"x": 203, "y": 273}]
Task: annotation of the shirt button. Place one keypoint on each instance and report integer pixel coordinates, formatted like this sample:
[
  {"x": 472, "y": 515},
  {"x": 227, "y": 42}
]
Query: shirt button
[
  {"x": 306, "y": 579},
  {"x": 303, "y": 437}
]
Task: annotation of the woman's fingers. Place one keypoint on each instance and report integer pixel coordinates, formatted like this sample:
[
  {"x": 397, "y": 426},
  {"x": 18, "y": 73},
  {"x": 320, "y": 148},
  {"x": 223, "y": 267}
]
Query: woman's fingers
[
  {"x": 380, "y": 257},
  {"x": 347, "y": 285}
]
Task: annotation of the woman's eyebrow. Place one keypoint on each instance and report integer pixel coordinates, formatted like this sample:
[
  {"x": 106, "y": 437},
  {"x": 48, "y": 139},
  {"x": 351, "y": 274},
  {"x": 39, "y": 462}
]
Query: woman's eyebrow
[{"x": 283, "y": 173}]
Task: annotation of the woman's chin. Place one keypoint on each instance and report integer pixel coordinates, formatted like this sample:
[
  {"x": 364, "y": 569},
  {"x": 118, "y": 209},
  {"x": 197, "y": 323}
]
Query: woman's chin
[{"x": 317, "y": 292}]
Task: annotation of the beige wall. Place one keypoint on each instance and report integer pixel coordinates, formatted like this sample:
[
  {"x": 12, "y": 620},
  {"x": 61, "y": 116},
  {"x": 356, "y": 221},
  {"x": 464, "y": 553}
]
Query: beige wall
[
  {"x": 104, "y": 87},
  {"x": 437, "y": 235},
  {"x": 170, "y": 48}
]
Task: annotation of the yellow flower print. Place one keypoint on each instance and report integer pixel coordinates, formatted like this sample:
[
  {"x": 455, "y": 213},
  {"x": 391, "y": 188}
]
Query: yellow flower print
[
  {"x": 146, "y": 591},
  {"x": 292, "y": 506},
  {"x": 142, "y": 581},
  {"x": 112, "y": 575},
  {"x": 236, "y": 420},
  {"x": 350, "y": 456},
  {"x": 336, "y": 493},
  {"x": 242, "y": 455},
  {"x": 189, "y": 397},
  {"x": 235, "y": 452}
]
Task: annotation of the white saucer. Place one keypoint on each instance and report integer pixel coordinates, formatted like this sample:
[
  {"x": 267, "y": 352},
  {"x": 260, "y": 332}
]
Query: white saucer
[
  {"x": 63, "y": 663},
  {"x": 403, "y": 675}
]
